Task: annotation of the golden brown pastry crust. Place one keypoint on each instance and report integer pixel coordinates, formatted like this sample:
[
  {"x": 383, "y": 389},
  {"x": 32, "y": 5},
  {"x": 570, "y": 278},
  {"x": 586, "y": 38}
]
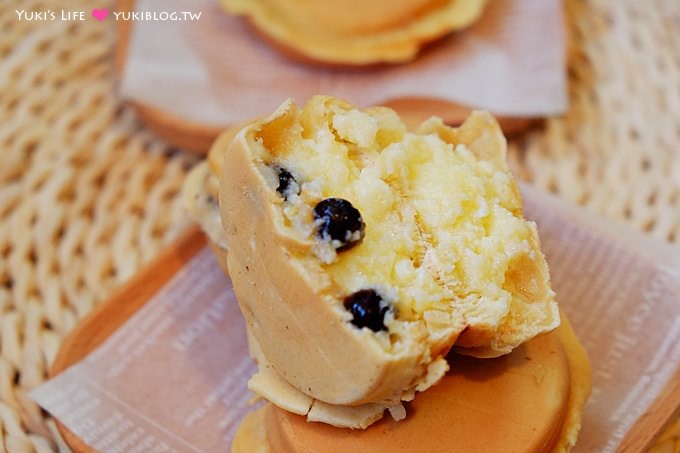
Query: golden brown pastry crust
[
  {"x": 355, "y": 32},
  {"x": 530, "y": 401}
]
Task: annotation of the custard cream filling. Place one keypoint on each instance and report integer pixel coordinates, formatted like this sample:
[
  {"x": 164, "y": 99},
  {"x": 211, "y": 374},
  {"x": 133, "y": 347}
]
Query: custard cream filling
[{"x": 444, "y": 237}]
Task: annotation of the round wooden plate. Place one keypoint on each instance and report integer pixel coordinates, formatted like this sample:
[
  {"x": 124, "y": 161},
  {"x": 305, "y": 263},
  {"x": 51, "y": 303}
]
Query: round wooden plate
[{"x": 198, "y": 137}]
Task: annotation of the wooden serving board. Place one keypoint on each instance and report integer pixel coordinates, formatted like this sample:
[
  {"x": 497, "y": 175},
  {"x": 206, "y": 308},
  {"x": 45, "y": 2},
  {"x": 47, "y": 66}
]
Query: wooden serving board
[
  {"x": 198, "y": 137},
  {"x": 108, "y": 317}
]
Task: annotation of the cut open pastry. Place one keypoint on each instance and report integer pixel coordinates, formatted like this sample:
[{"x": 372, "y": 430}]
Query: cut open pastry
[
  {"x": 361, "y": 253},
  {"x": 356, "y": 32}
]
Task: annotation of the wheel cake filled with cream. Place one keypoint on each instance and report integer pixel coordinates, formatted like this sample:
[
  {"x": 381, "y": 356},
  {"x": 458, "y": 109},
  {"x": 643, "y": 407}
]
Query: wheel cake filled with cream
[
  {"x": 355, "y": 32},
  {"x": 361, "y": 253}
]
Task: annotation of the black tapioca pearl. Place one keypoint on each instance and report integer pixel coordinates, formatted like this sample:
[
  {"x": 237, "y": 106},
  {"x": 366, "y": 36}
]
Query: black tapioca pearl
[
  {"x": 367, "y": 308},
  {"x": 339, "y": 222},
  {"x": 287, "y": 182}
]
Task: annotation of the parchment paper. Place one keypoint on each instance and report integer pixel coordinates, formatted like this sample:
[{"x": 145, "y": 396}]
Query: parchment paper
[
  {"x": 217, "y": 71},
  {"x": 174, "y": 377}
]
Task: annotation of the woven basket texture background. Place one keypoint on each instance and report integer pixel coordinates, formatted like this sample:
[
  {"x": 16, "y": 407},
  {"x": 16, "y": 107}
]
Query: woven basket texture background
[{"x": 88, "y": 195}]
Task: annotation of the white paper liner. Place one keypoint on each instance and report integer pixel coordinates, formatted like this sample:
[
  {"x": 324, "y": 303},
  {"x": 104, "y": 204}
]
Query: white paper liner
[
  {"x": 218, "y": 71},
  {"x": 174, "y": 376}
]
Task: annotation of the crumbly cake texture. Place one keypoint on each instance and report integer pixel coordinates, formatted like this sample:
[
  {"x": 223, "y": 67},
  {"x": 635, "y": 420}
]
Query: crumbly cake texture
[
  {"x": 443, "y": 255},
  {"x": 356, "y": 32}
]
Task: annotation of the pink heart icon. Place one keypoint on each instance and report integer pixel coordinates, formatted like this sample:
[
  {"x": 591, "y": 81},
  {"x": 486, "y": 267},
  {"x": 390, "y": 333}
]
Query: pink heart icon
[{"x": 100, "y": 14}]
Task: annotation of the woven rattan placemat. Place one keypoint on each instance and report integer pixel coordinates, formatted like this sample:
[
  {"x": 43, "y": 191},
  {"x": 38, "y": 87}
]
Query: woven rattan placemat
[{"x": 87, "y": 195}]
